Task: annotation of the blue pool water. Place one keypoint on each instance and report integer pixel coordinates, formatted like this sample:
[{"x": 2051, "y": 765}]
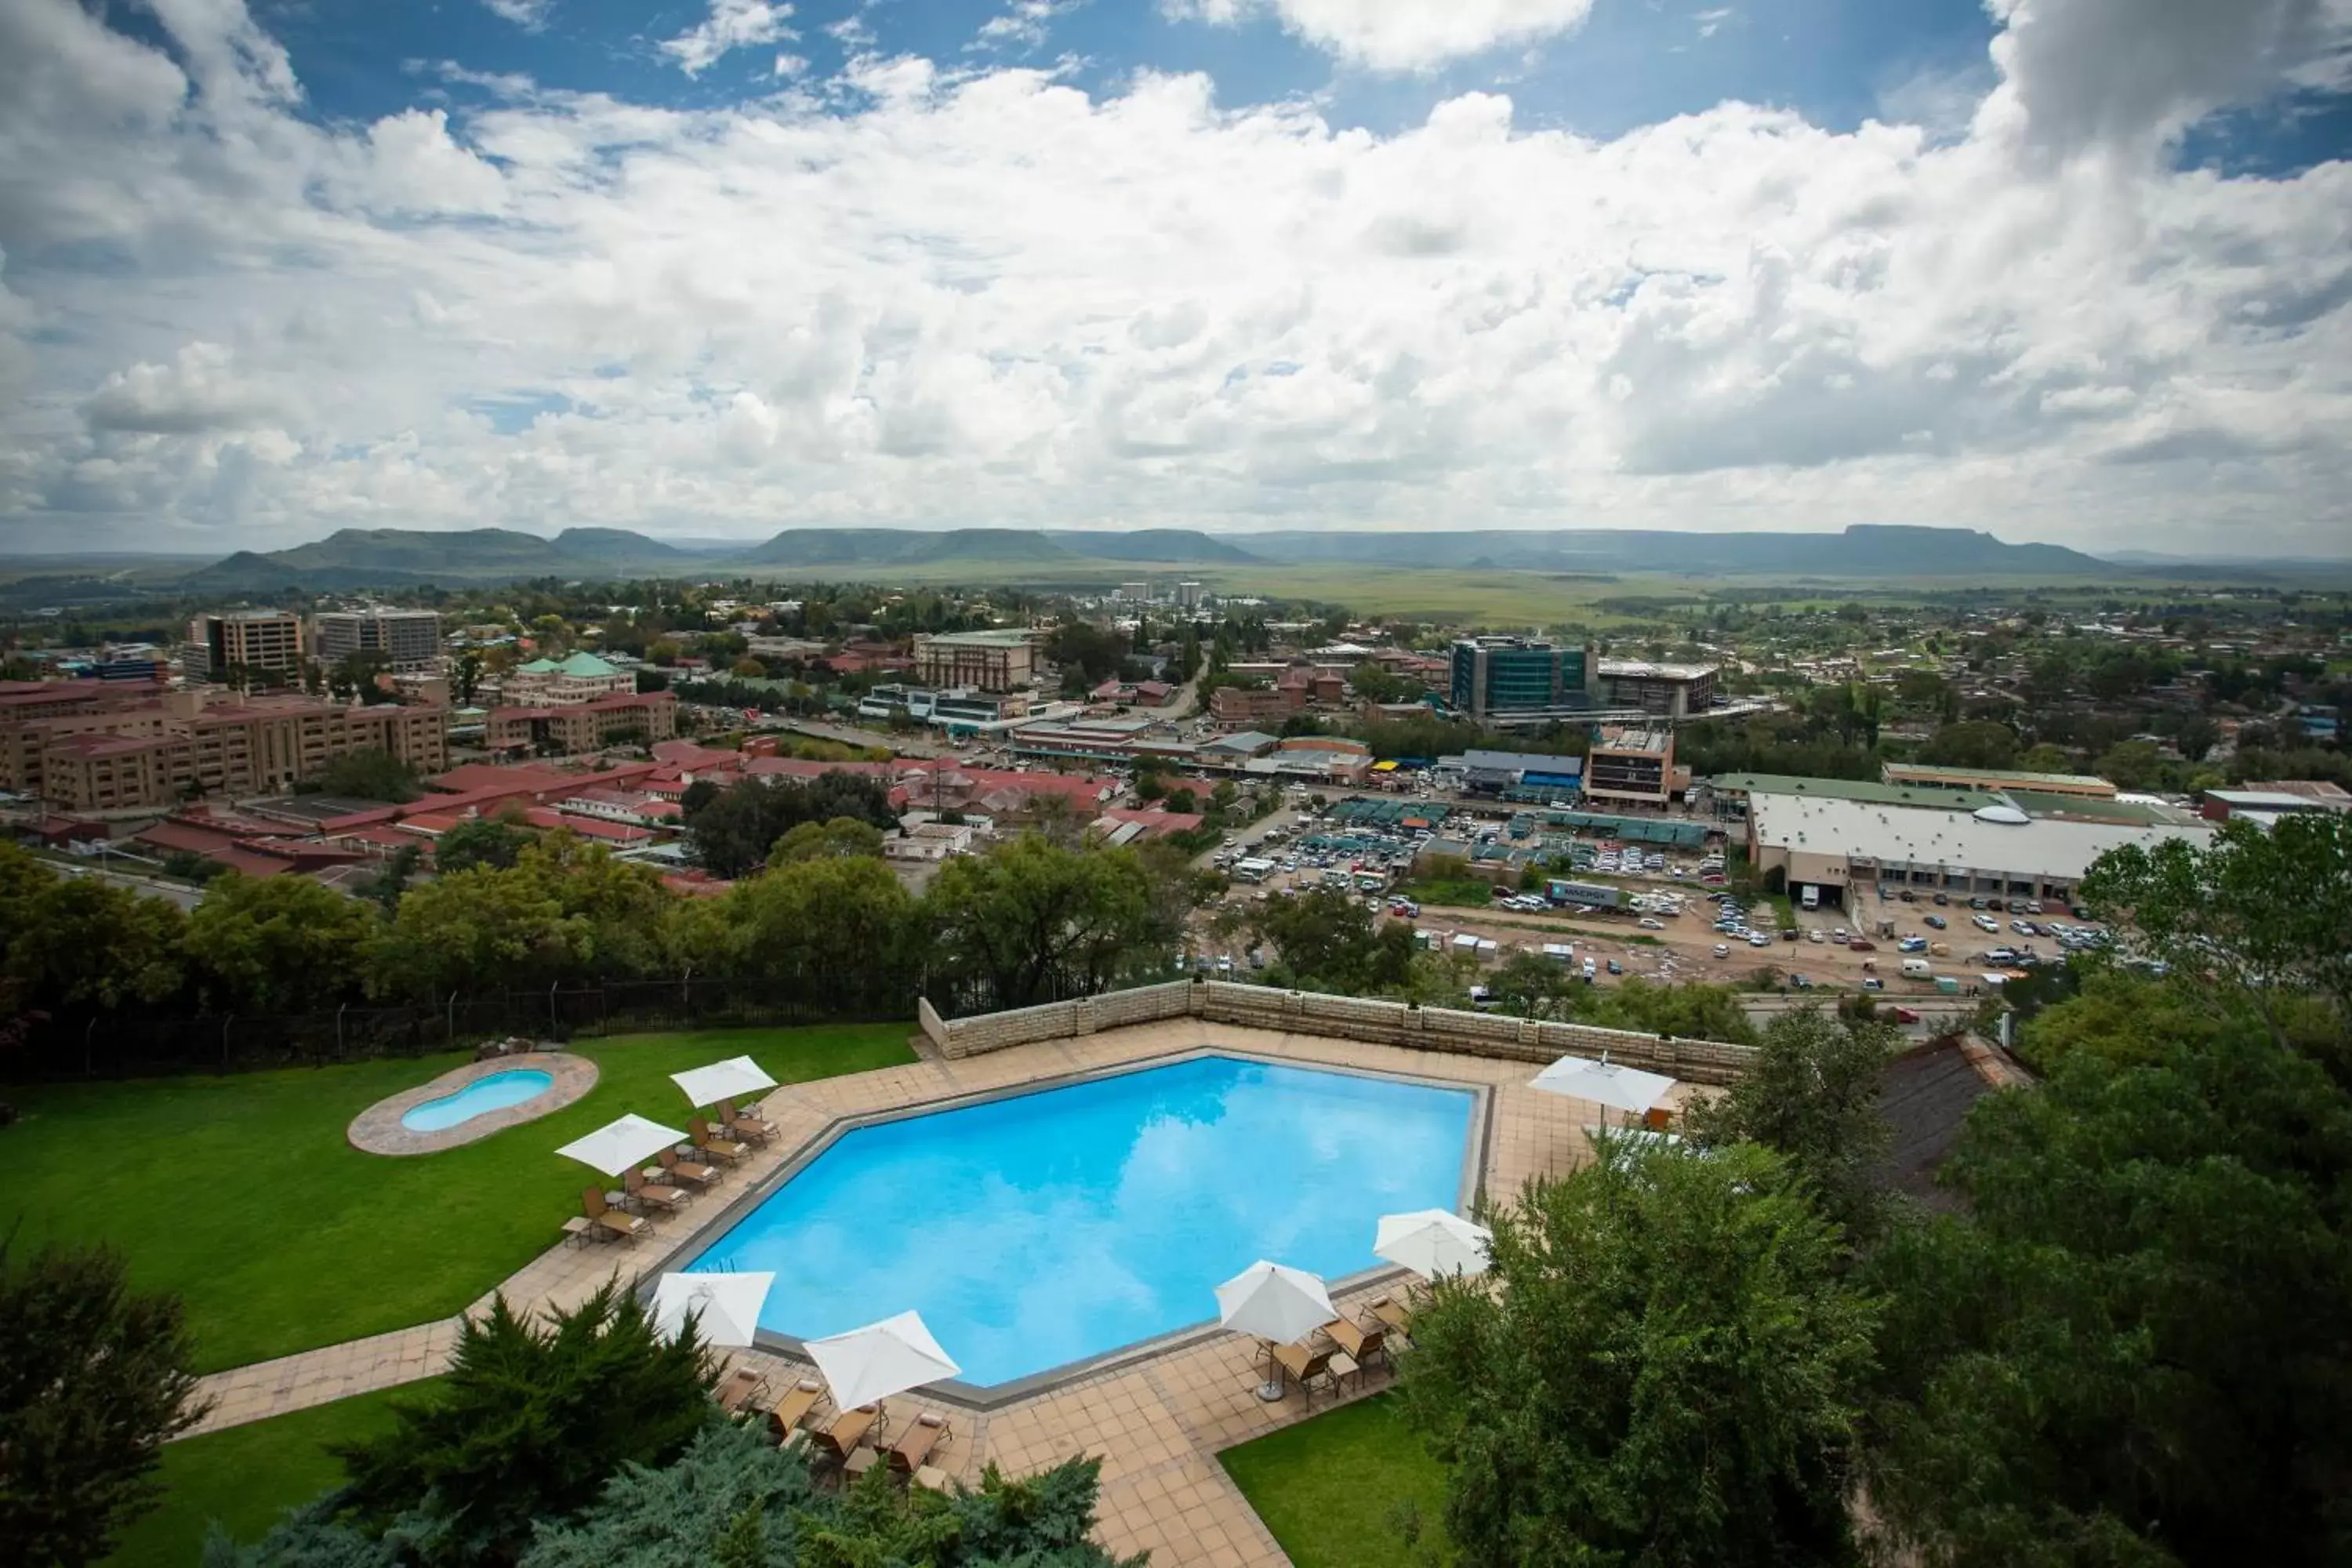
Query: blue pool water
[
  {"x": 495, "y": 1092},
  {"x": 1050, "y": 1227}
]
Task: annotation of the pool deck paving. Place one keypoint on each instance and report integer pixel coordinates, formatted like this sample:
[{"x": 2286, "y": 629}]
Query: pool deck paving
[{"x": 1157, "y": 1422}]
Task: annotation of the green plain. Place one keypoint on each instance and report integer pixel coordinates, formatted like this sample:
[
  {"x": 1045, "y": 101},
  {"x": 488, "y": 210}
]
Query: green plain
[
  {"x": 240, "y": 1193},
  {"x": 1333, "y": 1490},
  {"x": 245, "y": 1476}
]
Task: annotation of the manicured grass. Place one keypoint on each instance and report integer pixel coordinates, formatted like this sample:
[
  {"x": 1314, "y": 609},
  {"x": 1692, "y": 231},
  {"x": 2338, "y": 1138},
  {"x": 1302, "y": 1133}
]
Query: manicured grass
[
  {"x": 1463, "y": 890},
  {"x": 1331, "y": 1488},
  {"x": 240, "y": 1193},
  {"x": 245, "y": 1476}
]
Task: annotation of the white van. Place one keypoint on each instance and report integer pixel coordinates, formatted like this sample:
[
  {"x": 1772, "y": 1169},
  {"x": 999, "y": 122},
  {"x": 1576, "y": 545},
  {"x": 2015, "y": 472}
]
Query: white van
[
  {"x": 1918, "y": 969},
  {"x": 1812, "y": 898}
]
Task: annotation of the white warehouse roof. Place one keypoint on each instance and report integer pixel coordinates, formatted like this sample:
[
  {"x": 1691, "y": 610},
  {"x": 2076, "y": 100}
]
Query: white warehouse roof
[{"x": 1911, "y": 836}]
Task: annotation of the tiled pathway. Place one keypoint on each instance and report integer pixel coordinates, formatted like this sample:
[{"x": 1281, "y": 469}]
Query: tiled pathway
[{"x": 1157, "y": 1424}]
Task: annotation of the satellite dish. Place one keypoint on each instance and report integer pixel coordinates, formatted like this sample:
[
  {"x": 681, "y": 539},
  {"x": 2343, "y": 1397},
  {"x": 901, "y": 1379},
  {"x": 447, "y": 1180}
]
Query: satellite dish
[{"x": 2007, "y": 816}]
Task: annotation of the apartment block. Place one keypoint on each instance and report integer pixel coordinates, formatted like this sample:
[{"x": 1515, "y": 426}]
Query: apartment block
[
  {"x": 220, "y": 645},
  {"x": 409, "y": 639},
  {"x": 1503, "y": 680},
  {"x": 189, "y": 744},
  {"x": 1633, "y": 765}
]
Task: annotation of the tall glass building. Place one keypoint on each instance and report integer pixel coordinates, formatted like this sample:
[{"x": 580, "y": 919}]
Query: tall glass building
[{"x": 1518, "y": 677}]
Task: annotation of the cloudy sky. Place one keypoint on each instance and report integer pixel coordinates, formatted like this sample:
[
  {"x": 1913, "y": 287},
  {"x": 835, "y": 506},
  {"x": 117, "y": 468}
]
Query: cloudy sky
[{"x": 2078, "y": 270}]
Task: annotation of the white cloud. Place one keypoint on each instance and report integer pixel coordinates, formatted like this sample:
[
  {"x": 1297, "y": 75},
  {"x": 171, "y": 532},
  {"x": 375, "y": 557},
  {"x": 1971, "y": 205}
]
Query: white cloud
[
  {"x": 1398, "y": 35},
  {"x": 530, "y": 15},
  {"x": 731, "y": 25},
  {"x": 1711, "y": 21},
  {"x": 1022, "y": 26},
  {"x": 980, "y": 295}
]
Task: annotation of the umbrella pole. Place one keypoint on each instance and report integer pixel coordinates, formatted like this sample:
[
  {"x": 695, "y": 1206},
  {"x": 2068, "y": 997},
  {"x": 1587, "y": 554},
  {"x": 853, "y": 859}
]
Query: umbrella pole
[{"x": 1271, "y": 1389}]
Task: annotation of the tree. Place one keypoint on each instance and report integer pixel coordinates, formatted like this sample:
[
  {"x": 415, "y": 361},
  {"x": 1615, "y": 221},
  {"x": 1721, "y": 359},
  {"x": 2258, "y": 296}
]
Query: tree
[
  {"x": 368, "y": 776},
  {"x": 1182, "y": 798},
  {"x": 734, "y": 1499},
  {"x": 388, "y": 884},
  {"x": 833, "y": 928},
  {"x": 2263, "y": 912},
  {"x": 1669, "y": 1373},
  {"x": 1033, "y": 921},
  {"x": 353, "y": 675},
  {"x": 473, "y": 930},
  {"x": 84, "y": 943},
  {"x": 2046, "y": 758},
  {"x": 96, "y": 1380},
  {"x": 478, "y": 841},
  {"x": 1530, "y": 985},
  {"x": 1812, "y": 1095},
  {"x": 277, "y": 945},
  {"x": 842, "y": 837},
  {"x": 530, "y": 1423},
  {"x": 1974, "y": 744},
  {"x": 734, "y": 831}
]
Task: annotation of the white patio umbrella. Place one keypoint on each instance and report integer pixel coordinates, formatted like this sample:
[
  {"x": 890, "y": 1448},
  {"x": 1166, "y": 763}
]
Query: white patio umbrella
[
  {"x": 726, "y": 1305},
  {"x": 1626, "y": 1089},
  {"x": 879, "y": 1360},
  {"x": 1276, "y": 1304},
  {"x": 619, "y": 1145},
  {"x": 729, "y": 1079},
  {"x": 1432, "y": 1242}
]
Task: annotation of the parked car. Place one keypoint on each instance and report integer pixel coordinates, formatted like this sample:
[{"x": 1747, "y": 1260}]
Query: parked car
[
  {"x": 1943, "y": 899},
  {"x": 1615, "y": 967},
  {"x": 1937, "y": 921},
  {"x": 1873, "y": 983},
  {"x": 1723, "y": 950},
  {"x": 1815, "y": 935},
  {"x": 1651, "y": 923},
  {"x": 1862, "y": 944}
]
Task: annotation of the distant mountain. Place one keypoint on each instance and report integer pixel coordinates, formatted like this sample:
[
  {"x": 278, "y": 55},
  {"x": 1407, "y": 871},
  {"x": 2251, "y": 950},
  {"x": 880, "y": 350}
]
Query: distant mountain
[
  {"x": 617, "y": 545},
  {"x": 1172, "y": 545},
  {"x": 355, "y": 558},
  {"x": 1867, "y": 550}
]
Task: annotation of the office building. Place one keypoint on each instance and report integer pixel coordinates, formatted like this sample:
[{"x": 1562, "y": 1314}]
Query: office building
[
  {"x": 408, "y": 640},
  {"x": 1669, "y": 691},
  {"x": 565, "y": 729},
  {"x": 556, "y": 683},
  {"x": 1633, "y": 765},
  {"x": 1519, "y": 681},
  {"x": 190, "y": 742},
  {"x": 984, "y": 661},
  {"x": 1187, "y": 595},
  {"x": 219, "y": 645}
]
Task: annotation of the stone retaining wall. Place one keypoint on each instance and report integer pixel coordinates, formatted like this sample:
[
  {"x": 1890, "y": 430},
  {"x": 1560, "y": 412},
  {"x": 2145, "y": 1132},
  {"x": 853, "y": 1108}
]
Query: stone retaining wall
[{"x": 1342, "y": 1017}]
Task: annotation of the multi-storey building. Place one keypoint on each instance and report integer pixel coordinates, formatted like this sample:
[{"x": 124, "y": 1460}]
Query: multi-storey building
[
  {"x": 1632, "y": 764},
  {"x": 1518, "y": 681},
  {"x": 187, "y": 744},
  {"x": 986, "y": 661},
  {"x": 547, "y": 682},
  {"x": 564, "y": 729},
  {"x": 1670, "y": 690},
  {"x": 409, "y": 639},
  {"x": 220, "y": 645}
]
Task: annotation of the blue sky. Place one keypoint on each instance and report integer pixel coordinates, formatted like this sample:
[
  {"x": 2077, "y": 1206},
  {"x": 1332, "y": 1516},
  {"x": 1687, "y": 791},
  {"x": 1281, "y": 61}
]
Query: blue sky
[{"x": 2074, "y": 269}]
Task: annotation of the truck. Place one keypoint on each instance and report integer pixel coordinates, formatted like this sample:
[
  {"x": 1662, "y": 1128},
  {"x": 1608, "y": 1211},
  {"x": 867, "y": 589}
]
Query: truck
[{"x": 1813, "y": 896}]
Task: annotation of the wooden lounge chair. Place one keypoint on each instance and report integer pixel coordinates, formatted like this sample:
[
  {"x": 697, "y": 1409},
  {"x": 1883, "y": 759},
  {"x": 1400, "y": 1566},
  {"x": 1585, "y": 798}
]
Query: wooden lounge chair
[
  {"x": 693, "y": 1171},
  {"x": 799, "y": 1402},
  {"x": 1305, "y": 1366},
  {"x": 740, "y": 1391},
  {"x": 1395, "y": 1314},
  {"x": 623, "y": 1226},
  {"x": 714, "y": 1143},
  {"x": 839, "y": 1437},
  {"x": 743, "y": 1124},
  {"x": 914, "y": 1446},
  {"x": 654, "y": 1197},
  {"x": 1362, "y": 1345}
]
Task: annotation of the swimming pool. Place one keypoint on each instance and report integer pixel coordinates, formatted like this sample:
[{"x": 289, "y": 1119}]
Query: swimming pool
[
  {"x": 494, "y": 1092},
  {"x": 1055, "y": 1226}
]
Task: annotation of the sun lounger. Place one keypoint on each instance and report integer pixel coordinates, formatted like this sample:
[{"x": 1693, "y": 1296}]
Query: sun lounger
[
  {"x": 743, "y": 1124},
  {"x": 693, "y": 1171},
  {"x": 656, "y": 1197},
  {"x": 625, "y": 1227},
  {"x": 914, "y": 1446},
  {"x": 1392, "y": 1312},
  {"x": 800, "y": 1402},
  {"x": 1361, "y": 1344},
  {"x": 837, "y": 1437},
  {"x": 1305, "y": 1366},
  {"x": 713, "y": 1144},
  {"x": 740, "y": 1391}
]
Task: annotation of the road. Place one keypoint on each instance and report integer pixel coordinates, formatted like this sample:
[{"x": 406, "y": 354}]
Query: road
[{"x": 180, "y": 893}]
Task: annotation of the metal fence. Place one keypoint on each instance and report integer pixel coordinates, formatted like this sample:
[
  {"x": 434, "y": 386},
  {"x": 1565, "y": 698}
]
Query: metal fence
[{"x": 139, "y": 1044}]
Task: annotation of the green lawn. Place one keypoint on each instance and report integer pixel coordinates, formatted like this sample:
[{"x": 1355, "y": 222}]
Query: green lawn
[
  {"x": 240, "y": 1193},
  {"x": 1331, "y": 1488},
  {"x": 246, "y": 1476}
]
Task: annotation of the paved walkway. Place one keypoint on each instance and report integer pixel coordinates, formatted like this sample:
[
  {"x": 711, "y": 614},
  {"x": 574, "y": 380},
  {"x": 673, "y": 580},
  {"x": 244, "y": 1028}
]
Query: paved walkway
[{"x": 1157, "y": 1424}]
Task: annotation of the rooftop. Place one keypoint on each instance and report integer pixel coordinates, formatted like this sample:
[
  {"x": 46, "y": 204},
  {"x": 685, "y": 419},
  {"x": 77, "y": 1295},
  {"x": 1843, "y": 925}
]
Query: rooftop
[
  {"x": 1643, "y": 669},
  {"x": 1931, "y": 772},
  {"x": 1869, "y": 790},
  {"x": 1918, "y": 836},
  {"x": 1011, "y": 636}
]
